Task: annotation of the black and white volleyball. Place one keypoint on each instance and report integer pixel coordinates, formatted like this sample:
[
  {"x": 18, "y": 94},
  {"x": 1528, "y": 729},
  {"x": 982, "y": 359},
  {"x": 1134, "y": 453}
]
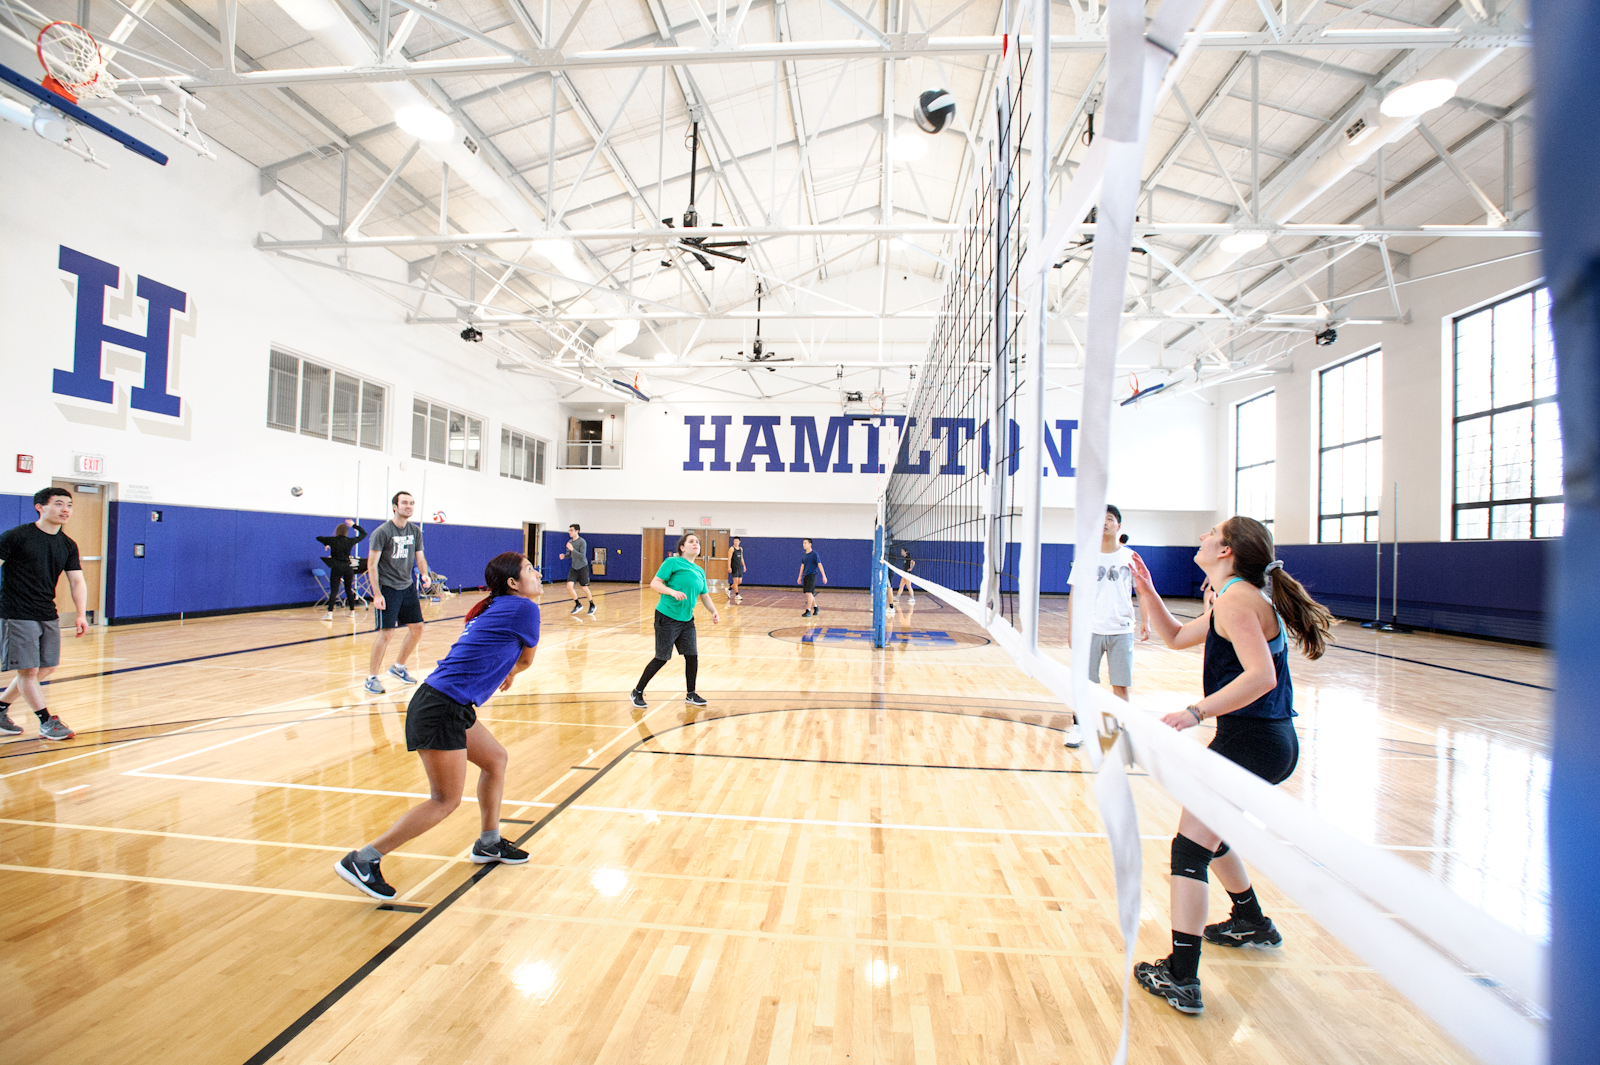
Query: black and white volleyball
[{"x": 935, "y": 108}]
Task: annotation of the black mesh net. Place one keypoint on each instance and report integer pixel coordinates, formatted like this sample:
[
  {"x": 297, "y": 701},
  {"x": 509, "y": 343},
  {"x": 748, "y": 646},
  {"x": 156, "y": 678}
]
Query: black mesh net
[{"x": 949, "y": 503}]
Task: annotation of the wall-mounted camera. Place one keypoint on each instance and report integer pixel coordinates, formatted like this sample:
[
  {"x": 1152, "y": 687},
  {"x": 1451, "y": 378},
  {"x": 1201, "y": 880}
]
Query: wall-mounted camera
[{"x": 472, "y": 334}]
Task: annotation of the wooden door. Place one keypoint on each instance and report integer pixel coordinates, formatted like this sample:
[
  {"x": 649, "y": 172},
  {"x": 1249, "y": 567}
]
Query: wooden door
[
  {"x": 652, "y": 552},
  {"x": 88, "y": 530},
  {"x": 533, "y": 543}
]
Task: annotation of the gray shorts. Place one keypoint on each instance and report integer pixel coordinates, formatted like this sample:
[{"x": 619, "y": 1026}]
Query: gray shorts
[
  {"x": 1118, "y": 649},
  {"x": 29, "y": 644}
]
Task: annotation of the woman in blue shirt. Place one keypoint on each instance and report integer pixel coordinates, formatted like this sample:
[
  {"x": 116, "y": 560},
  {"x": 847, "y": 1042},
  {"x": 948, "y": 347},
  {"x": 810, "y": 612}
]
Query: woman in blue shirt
[
  {"x": 1246, "y": 628},
  {"x": 442, "y": 723},
  {"x": 681, "y": 584}
]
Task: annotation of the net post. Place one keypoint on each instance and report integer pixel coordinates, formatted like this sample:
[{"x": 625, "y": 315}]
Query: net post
[
  {"x": 1035, "y": 340},
  {"x": 880, "y": 587}
]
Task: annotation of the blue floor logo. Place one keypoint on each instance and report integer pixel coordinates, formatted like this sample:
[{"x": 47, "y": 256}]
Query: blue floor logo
[{"x": 929, "y": 639}]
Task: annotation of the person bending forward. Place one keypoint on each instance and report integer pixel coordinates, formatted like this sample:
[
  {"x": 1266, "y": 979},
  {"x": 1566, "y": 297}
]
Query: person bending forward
[{"x": 442, "y": 723}]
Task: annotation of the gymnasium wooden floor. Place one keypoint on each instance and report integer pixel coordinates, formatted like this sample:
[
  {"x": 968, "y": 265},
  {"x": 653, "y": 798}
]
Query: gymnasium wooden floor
[{"x": 846, "y": 857}]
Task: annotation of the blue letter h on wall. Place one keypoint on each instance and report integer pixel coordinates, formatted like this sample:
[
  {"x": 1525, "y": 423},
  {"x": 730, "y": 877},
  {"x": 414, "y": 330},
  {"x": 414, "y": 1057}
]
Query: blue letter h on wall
[{"x": 84, "y": 380}]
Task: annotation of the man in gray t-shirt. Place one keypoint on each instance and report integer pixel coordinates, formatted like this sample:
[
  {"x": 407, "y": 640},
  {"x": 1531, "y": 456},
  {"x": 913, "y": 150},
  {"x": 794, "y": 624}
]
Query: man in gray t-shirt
[
  {"x": 577, "y": 556},
  {"x": 396, "y": 548}
]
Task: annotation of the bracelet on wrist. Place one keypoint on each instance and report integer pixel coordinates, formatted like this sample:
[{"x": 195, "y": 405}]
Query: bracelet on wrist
[{"x": 1199, "y": 718}]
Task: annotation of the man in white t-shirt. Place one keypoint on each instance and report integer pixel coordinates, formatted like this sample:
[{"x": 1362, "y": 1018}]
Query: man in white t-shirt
[{"x": 1115, "y": 618}]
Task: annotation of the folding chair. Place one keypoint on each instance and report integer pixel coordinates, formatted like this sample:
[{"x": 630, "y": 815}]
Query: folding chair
[{"x": 319, "y": 574}]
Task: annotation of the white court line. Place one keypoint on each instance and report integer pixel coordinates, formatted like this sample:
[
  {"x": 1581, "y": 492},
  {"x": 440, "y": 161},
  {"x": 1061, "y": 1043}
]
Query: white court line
[
  {"x": 198, "y": 724},
  {"x": 311, "y": 787},
  {"x": 130, "y": 878},
  {"x": 229, "y": 743},
  {"x": 206, "y": 839}
]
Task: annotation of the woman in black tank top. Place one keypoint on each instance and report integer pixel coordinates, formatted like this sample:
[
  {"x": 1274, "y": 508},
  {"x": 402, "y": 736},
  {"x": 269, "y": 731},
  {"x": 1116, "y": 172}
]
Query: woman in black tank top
[{"x": 1246, "y": 629}]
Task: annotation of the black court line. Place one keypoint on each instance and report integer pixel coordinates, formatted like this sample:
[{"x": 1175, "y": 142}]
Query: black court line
[
  {"x": 590, "y": 768},
  {"x": 271, "y": 646},
  {"x": 1418, "y": 662},
  {"x": 882, "y": 765},
  {"x": 354, "y": 980}
]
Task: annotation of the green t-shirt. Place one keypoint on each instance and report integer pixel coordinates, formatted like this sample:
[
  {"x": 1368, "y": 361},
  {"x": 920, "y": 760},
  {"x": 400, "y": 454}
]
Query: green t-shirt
[{"x": 681, "y": 575}]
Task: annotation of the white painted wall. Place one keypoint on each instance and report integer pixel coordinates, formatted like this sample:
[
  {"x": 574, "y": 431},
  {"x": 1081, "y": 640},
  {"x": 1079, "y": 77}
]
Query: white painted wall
[
  {"x": 1417, "y": 391},
  {"x": 190, "y": 225}
]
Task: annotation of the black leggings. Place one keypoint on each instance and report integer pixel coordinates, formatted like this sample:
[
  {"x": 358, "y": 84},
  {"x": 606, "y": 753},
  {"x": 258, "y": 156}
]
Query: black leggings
[
  {"x": 337, "y": 573},
  {"x": 691, "y": 668}
]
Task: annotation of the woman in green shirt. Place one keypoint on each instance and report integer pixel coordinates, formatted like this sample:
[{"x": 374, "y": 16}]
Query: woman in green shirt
[{"x": 680, "y": 583}]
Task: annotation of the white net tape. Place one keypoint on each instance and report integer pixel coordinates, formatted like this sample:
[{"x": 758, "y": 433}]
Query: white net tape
[{"x": 1481, "y": 981}]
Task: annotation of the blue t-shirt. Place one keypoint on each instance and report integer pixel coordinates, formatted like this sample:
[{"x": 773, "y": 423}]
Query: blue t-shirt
[
  {"x": 476, "y": 664},
  {"x": 811, "y": 562}
]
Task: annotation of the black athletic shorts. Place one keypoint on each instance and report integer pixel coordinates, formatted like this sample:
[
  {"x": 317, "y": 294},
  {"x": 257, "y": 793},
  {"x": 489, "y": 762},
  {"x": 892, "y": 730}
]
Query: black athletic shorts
[
  {"x": 670, "y": 633},
  {"x": 808, "y": 583},
  {"x": 402, "y": 606},
  {"x": 1268, "y": 748},
  {"x": 580, "y": 577},
  {"x": 436, "y": 722}
]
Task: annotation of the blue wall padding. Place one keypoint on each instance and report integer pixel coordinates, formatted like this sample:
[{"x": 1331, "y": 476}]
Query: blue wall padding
[
  {"x": 201, "y": 559},
  {"x": 1485, "y": 588},
  {"x": 622, "y": 555}
]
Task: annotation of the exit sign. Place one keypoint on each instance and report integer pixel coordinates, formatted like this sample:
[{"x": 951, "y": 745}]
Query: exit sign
[{"x": 90, "y": 464}]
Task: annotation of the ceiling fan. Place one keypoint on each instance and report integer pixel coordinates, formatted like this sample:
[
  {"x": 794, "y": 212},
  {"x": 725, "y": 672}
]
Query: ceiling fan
[
  {"x": 757, "y": 352},
  {"x": 700, "y": 247}
]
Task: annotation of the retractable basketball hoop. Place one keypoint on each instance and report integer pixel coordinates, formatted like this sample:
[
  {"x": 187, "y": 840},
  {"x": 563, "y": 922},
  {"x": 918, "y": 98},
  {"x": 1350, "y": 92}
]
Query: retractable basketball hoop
[{"x": 74, "y": 66}]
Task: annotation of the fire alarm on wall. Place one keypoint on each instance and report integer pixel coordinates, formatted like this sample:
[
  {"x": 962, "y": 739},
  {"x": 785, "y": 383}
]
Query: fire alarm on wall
[
  {"x": 671, "y": 522},
  {"x": 24, "y": 463}
]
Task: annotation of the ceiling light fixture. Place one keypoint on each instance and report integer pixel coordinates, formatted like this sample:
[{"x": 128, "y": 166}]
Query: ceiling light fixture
[
  {"x": 909, "y": 146},
  {"x": 425, "y": 123},
  {"x": 1419, "y": 97},
  {"x": 310, "y": 15},
  {"x": 665, "y": 356},
  {"x": 1239, "y": 243},
  {"x": 554, "y": 248}
]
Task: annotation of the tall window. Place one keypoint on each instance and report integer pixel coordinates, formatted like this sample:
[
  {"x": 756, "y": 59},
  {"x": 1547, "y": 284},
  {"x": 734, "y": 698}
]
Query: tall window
[
  {"x": 1508, "y": 482},
  {"x": 1255, "y": 431},
  {"x": 521, "y": 456},
  {"x": 1350, "y": 455},
  {"x": 318, "y": 401},
  {"x": 447, "y": 436}
]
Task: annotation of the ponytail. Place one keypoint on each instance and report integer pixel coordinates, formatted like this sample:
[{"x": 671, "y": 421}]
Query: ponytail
[
  {"x": 1308, "y": 621},
  {"x": 497, "y": 577}
]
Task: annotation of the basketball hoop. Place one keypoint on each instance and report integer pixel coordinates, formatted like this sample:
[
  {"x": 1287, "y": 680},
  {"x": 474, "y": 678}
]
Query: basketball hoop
[
  {"x": 73, "y": 65},
  {"x": 875, "y": 402}
]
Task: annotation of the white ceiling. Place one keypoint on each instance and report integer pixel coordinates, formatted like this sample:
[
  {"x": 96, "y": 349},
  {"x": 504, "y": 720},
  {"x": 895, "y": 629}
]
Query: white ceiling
[{"x": 829, "y": 301}]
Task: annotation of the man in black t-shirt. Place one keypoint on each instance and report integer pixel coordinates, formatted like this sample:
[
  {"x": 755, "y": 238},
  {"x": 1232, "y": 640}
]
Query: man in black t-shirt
[{"x": 32, "y": 559}]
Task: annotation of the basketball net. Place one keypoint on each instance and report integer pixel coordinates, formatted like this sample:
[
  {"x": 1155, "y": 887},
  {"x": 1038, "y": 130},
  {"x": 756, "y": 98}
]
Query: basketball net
[{"x": 74, "y": 67}]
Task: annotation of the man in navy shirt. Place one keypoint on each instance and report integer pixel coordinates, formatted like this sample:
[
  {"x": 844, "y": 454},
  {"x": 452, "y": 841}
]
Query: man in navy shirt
[{"x": 810, "y": 567}]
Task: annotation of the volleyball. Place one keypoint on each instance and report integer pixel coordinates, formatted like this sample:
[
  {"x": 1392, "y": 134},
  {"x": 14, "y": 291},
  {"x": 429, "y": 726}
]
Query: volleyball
[
  {"x": 438, "y": 516},
  {"x": 934, "y": 110}
]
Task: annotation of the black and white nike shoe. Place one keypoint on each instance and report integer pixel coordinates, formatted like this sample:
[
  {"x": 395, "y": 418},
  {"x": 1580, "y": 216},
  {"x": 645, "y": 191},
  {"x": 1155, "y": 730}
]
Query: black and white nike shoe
[
  {"x": 1157, "y": 979},
  {"x": 1239, "y": 932},
  {"x": 636, "y": 697},
  {"x": 501, "y": 850},
  {"x": 364, "y": 876}
]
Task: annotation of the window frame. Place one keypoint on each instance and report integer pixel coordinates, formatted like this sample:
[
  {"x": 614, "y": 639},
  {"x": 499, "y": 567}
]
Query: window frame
[
  {"x": 295, "y": 418},
  {"x": 1371, "y": 530},
  {"x": 1493, "y": 414},
  {"x": 447, "y": 435},
  {"x": 522, "y": 455},
  {"x": 1238, "y": 408}
]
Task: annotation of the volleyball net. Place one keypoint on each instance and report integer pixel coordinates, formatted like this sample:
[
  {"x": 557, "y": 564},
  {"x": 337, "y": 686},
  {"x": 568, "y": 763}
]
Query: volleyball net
[{"x": 964, "y": 500}]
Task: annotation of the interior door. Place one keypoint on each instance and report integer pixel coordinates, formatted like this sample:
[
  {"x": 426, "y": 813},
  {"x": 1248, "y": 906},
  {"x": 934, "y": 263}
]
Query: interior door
[
  {"x": 88, "y": 530},
  {"x": 652, "y": 552}
]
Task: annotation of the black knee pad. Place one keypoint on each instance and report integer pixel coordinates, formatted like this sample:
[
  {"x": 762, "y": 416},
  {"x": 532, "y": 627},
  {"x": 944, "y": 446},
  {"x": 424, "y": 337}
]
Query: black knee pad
[
  {"x": 1190, "y": 859},
  {"x": 1222, "y": 849}
]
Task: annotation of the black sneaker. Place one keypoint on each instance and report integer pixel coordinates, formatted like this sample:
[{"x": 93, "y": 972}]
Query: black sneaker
[
  {"x": 501, "y": 850},
  {"x": 1239, "y": 932},
  {"x": 363, "y": 876},
  {"x": 805, "y": 613},
  {"x": 576, "y": 606},
  {"x": 591, "y": 610},
  {"x": 1157, "y": 979},
  {"x": 694, "y": 699},
  {"x": 637, "y": 698}
]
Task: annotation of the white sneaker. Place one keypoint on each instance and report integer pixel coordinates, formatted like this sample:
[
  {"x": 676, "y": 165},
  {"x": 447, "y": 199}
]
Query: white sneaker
[
  {"x": 1074, "y": 736},
  {"x": 328, "y": 616}
]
